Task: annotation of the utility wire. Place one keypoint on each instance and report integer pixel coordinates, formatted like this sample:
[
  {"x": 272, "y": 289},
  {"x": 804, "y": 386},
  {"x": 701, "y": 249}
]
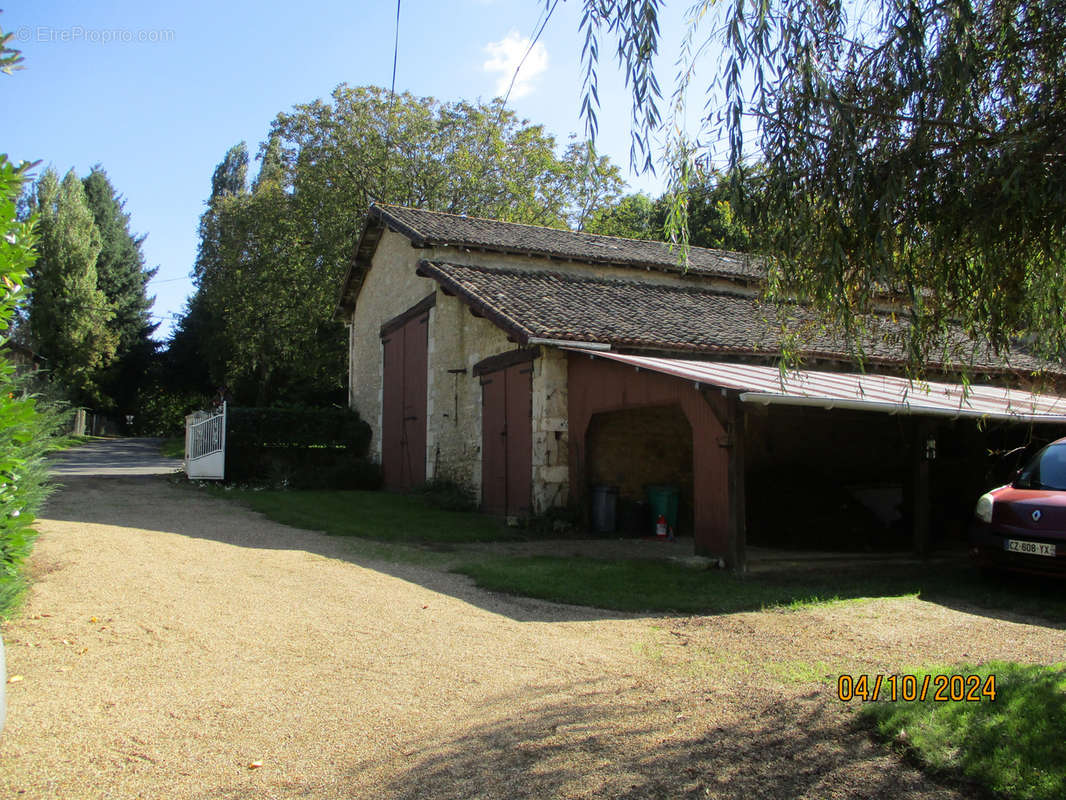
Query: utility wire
[
  {"x": 542, "y": 22},
  {"x": 392, "y": 103},
  {"x": 532, "y": 44}
]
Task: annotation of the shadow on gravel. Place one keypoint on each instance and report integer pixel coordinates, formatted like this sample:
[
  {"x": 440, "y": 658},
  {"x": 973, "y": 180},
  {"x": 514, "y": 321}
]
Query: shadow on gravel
[
  {"x": 153, "y": 503},
  {"x": 797, "y": 748}
]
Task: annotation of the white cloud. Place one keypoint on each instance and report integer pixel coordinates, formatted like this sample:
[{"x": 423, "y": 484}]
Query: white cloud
[{"x": 504, "y": 57}]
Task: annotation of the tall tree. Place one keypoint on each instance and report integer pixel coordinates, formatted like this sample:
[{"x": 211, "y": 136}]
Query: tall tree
[
  {"x": 184, "y": 368},
  {"x": 635, "y": 216},
  {"x": 122, "y": 276},
  {"x": 271, "y": 259},
  {"x": 588, "y": 181},
  {"x": 120, "y": 269},
  {"x": 719, "y": 208},
  {"x": 231, "y": 175},
  {"x": 913, "y": 145},
  {"x": 69, "y": 316},
  {"x": 264, "y": 300}
]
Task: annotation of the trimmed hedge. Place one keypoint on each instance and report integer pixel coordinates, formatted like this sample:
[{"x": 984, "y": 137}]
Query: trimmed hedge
[
  {"x": 298, "y": 427},
  {"x": 300, "y": 448}
]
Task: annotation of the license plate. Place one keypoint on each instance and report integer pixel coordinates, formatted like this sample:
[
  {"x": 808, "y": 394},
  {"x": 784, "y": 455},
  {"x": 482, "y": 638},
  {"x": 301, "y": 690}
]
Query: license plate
[{"x": 1030, "y": 548}]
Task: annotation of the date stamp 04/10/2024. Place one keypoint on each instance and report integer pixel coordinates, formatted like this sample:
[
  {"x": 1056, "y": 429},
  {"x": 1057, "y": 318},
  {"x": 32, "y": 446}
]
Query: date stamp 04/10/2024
[{"x": 917, "y": 688}]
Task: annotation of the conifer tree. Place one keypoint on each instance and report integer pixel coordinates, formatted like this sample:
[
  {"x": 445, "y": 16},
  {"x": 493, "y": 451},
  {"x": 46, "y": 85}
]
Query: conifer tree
[
  {"x": 123, "y": 278},
  {"x": 69, "y": 316}
]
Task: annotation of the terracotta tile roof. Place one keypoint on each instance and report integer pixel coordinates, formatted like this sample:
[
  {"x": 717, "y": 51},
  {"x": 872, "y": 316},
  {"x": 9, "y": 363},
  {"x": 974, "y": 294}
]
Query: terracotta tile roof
[
  {"x": 431, "y": 229},
  {"x": 675, "y": 318}
]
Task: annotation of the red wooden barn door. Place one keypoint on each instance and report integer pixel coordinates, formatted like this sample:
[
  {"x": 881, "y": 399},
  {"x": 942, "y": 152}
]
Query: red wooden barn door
[
  {"x": 392, "y": 410},
  {"x": 403, "y": 414},
  {"x": 415, "y": 363},
  {"x": 507, "y": 440},
  {"x": 494, "y": 443}
]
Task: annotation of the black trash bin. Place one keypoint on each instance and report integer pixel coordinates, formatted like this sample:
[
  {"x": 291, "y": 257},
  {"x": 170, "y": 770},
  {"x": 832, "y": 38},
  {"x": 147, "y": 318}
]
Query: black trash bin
[{"x": 604, "y": 503}]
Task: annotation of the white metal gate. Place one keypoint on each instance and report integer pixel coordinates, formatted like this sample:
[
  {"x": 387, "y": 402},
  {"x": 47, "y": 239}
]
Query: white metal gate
[{"x": 205, "y": 444}]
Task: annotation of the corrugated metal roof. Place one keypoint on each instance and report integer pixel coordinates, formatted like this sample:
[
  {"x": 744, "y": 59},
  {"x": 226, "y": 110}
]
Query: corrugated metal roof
[{"x": 767, "y": 385}]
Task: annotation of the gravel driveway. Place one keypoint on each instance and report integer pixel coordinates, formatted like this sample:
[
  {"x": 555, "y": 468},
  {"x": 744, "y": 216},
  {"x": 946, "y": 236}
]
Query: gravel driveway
[{"x": 175, "y": 645}]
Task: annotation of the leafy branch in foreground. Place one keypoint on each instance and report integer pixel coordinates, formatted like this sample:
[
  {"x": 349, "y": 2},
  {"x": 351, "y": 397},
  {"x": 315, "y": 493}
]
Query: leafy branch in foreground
[
  {"x": 917, "y": 149},
  {"x": 10, "y": 58},
  {"x": 25, "y": 433}
]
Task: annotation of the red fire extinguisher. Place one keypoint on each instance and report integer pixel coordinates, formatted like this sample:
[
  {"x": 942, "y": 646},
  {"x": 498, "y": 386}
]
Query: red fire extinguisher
[{"x": 661, "y": 527}]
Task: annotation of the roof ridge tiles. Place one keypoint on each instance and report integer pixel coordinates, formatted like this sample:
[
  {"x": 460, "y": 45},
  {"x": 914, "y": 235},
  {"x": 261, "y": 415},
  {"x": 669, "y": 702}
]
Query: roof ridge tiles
[
  {"x": 490, "y": 220},
  {"x": 438, "y": 228}
]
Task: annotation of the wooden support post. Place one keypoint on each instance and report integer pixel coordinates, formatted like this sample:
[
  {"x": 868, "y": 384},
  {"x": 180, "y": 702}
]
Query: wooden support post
[
  {"x": 920, "y": 491},
  {"x": 730, "y": 414},
  {"x": 737, "y": 556}
]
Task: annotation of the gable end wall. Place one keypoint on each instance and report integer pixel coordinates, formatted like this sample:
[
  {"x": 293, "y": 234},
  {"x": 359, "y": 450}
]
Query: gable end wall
[{"x": 457, "y": 341}]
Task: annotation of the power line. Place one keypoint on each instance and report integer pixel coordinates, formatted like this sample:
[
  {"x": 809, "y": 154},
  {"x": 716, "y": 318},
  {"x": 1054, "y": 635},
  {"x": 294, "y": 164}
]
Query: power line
[
  {"x": 542, "y": 22},
  {"x": 532, "y": 44}
]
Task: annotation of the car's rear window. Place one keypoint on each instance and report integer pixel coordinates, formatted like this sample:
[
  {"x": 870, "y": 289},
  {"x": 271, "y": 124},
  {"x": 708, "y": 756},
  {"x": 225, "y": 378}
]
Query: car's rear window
[{"x": 1046, "y": 470}]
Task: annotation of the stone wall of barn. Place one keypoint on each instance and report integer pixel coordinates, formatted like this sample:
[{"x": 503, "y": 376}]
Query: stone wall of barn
[
  {"x": 634, "y": 448},
  {"x": 551, "y": 442},
  {"x": 389, "y": 289},
  {"x": 457, "y": 341}
]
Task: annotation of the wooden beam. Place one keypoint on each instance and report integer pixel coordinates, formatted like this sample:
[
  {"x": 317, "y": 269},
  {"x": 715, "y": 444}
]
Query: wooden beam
[
  {"x": 506, "y": 359},
  {"x": 397, "y": 322}
]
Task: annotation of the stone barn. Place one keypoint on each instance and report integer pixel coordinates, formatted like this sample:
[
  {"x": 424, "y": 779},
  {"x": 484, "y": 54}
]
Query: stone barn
[{"x": 529, "y": 364}]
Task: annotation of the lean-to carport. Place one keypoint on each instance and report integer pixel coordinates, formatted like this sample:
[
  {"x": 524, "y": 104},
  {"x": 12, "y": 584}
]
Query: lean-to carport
[{"x": 714, "y": 394}]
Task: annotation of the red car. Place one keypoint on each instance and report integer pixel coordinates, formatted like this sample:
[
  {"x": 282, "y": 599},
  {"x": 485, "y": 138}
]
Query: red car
[{"x": 1022, "y": 526}]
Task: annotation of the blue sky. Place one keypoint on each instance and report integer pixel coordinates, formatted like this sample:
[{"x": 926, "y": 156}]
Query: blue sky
[{"x": 157, "y": 93}]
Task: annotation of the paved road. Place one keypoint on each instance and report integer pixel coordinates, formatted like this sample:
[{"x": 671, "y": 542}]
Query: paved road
[{"x": 114, "y": 457}]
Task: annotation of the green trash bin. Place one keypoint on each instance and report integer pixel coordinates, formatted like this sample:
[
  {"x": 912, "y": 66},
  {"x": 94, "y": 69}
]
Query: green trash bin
[{"x": 662, "y": 501}]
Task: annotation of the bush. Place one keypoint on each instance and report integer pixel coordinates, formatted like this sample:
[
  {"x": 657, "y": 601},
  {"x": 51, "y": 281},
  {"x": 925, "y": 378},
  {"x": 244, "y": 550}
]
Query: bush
[
  {"x": 298, "y": 427},
  {"x": 26, "y": 430},
  {"x": 30, "y": 426},
  {"x": 300, "y": 468},
  {"x": 299, "y": 448}
]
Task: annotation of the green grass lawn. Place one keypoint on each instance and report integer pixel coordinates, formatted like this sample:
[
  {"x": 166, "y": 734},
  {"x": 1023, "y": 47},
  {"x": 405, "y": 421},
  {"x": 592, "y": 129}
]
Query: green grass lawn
[
  {"x": 638, "y": 585},
  {"x": 372, "y": 515},
  {"x": 666, "y": 586},
  {"x": 173, "y": 447},
  {"x": 1014, "y": 745}
]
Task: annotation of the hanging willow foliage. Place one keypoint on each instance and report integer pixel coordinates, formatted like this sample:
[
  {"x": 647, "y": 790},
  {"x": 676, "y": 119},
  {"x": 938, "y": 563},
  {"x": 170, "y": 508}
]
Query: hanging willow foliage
[{"x": 913, "y": 147}]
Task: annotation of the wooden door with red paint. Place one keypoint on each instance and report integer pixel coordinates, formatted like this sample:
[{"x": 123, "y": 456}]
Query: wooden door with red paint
[
  {"x": 507, "y": 440},
  {"x": 403, "y": 414}
]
